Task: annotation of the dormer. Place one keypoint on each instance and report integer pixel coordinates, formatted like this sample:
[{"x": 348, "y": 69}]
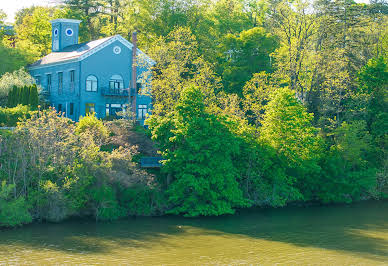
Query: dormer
[{"x": 64, "y": 33}]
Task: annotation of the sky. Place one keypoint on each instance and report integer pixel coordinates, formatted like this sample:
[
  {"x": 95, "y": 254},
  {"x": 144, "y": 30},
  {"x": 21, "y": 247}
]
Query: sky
[{"x": 11, "y": 6}]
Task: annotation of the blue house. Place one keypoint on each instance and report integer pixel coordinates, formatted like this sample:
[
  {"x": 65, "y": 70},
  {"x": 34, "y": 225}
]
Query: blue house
[{"x": 104, "y": 76}]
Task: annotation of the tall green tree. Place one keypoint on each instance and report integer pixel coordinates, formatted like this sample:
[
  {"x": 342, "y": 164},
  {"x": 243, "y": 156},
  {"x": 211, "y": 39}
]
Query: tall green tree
[
  {"x": 287, "y": 128},
  {"x": 198, "y": 149},
  {"x": 347, "y": 175},
  {"x": 89, "y": 11},
  {"x": 179, "y": 65},
  {"x": 34, "y": 33},
  {"x": 242, "y": 55},
  {"x": 26, "y": 95}
]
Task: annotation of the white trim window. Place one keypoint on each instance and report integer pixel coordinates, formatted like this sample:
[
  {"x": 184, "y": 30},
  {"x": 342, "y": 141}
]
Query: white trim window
[
  {"x": 113, "y": 108},
  {"x": 72, "y": 80},
  {"x": 116, "y": 82},
  {"x": 60, "y": 82},
  {"x": 141, "y": 111},
  {"x": 91, "y": 83},
  {"x": 49, "y": 82}
]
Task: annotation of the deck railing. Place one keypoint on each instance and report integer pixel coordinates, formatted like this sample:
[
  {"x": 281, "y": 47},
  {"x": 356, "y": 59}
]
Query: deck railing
[{"x": 114, "y": 92}]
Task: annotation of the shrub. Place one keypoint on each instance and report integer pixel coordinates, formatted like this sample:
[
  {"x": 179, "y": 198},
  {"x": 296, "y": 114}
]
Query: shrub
[
  {"x": 141, "y": 200},
  {"x": 18, "y": 78},
  {"x": 13, "y": 211},
  {"x": 106, "y": 204},
  {"x": 91, "y": 125},
  {"x": 10, "y": 116}
]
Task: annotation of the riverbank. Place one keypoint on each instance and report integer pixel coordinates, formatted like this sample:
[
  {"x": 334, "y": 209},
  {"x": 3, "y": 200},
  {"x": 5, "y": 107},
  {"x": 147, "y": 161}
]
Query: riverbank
[
  {"x": 336, "y": 234},
  {"x": 295, "y": 206},
  {"x": 62, "y": 169}
]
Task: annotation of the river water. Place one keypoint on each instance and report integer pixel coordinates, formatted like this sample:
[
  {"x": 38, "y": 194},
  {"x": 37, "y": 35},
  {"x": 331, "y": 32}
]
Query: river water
[{"x": 329, "y": 235}]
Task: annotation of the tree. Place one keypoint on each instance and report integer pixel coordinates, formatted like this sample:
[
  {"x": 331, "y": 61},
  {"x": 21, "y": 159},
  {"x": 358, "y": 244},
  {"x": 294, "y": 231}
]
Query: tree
[
  {"x": 287, "y": 128},
  {"x": 179, "y": 65},
  {"x": 244, "y": 54},
  {"x": 34, "y": 34},
  {"x": 296, "y": 27},
  {"x": 26, "y": 95},
  {"x": 9, "y": 80},
  {"x": 256, "y": 95},
  {"x": 347, "y": 175},
  {"x": 88, "y": 11},
  {"x": 373, "y": 79},
  {"x": 198, "y": 150},
  {"x": 92, "y": 126},
  {"x": 33, "y": 100},
  {"x": 22, "y": 13}
]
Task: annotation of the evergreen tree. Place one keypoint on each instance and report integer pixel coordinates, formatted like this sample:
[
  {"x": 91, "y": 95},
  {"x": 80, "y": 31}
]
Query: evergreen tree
[
  {"x": 25, "y": 95},
  {"x": 33, "y": 96},
  {"x": 11, "y": 97}
]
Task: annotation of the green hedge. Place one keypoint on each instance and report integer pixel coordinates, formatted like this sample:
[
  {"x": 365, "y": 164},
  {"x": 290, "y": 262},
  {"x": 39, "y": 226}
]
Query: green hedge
[
  {"x": 26, "y": 95},
  {"x": 10, "y": 116}
]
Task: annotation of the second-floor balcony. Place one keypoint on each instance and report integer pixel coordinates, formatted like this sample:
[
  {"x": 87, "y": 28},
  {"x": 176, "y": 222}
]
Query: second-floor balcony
[{"x": 114, "y": 92}]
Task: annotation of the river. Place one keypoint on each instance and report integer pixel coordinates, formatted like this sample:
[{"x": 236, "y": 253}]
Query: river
[{"x": 328, "y": 235}]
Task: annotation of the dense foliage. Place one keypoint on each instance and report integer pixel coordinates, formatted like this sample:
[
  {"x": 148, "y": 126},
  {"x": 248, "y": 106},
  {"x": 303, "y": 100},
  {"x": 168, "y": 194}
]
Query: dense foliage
[
  {"x": 26, "y": 95},
  {"x": 18, "y": 78},
  {"x": 256, "y": 103},
  {"x": 198, "y": 150},
  {"x": 56, "y": 169},
  {"x": 10, "y": 116}
]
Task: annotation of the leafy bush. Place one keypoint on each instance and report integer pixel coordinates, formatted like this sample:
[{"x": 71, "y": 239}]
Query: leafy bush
[
  {"x": 142, "y": 200},
  {"x": 347, "y": 175},
  {"x": 13, "y": 211},
  {"x": 60, "y": 170},
  {"x": 10, "y": 116},
  {"x": 18, "y": 78},
  {"x": 106, "y": 204},
  {"x": 91, "y": 125}
]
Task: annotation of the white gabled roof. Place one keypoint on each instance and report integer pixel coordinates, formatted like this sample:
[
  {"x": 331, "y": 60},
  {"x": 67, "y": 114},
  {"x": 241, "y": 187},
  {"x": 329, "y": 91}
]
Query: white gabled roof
[{"x": 78, "y": 52}]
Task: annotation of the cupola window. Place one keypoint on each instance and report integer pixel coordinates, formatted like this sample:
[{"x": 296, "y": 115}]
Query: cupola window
[{"x": 69, "y": 32}]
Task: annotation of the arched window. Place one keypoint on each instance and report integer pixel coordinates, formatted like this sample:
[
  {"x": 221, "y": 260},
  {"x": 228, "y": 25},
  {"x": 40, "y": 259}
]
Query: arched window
[
  {"x": 91, "y": 83},
  {"x": 116, "y": 82}
]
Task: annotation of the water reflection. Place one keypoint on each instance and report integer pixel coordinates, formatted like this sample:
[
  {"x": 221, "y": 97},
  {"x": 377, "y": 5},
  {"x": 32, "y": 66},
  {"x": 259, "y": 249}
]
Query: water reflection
[{"x": 354, "y": 234}]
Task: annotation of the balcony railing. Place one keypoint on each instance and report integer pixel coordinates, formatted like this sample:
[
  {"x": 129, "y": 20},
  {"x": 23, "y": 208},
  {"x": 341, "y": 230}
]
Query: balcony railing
[{"x": 114, "y": 92}]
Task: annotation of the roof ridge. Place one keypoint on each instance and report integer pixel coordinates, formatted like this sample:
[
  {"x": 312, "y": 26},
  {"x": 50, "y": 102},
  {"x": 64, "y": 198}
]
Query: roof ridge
[{"x": 81, "y": 51}]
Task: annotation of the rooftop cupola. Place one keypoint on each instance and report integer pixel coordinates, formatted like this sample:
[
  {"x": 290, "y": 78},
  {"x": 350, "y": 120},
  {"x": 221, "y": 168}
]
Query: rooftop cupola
[{"x": 64, "y": 33}]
